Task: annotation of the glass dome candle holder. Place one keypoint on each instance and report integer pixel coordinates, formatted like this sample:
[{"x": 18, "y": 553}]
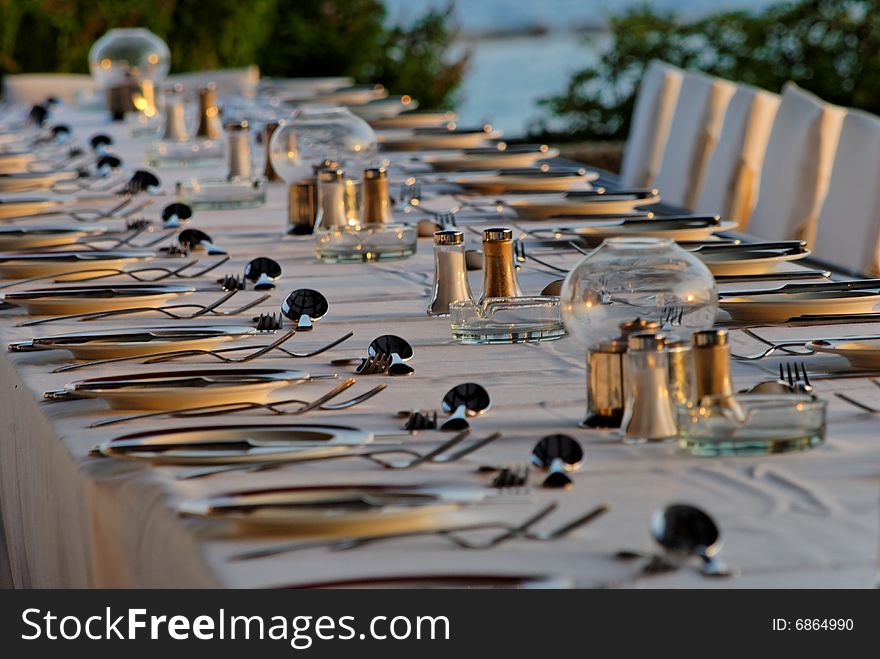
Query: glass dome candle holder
[
  {"x": 122, "y": 60},
  {"x": 636, "y": 281}
]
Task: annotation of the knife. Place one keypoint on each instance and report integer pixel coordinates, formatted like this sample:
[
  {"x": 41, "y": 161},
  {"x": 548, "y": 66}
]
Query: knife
[{"x": 830, "y": 286}]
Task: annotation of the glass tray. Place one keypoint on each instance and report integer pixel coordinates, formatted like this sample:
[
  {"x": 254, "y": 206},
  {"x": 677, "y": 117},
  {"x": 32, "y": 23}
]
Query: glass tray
[
  {"x": 220, "y": 193},
  {"x": 184, "y": 154},
  {"x": 751, "y": 424},
  {"x": 507, "y": 320},
  {"x": 370, "y": 242}
]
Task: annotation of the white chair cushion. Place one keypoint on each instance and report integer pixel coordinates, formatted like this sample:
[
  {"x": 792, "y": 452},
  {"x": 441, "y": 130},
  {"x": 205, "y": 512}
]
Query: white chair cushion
[
  {"x": 693, "y": 135},
  {"x": 731, "y": 183},
  {"x": 848, "y": 230},
  {"x": 30, "y": 88},
  {"x": 652, "y": 116},
  {"x": 797, "y": 166}
]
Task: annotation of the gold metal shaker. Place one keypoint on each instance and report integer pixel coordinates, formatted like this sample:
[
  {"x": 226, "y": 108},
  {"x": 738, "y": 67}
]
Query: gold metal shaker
[
  {"x": 209, "y": 113},
  {"x": 499, "y": 272},
  {"x": 269, "y": 172},
  {"x": 377, "y": 202}
]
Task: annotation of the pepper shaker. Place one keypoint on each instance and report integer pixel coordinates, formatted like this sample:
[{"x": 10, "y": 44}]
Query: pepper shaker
[
  {"x": 209, "y": 113},
  {"x": 175, "y": 123},
  {"x": 377, "y": 202},
  {"x": 450, "y": 273},
  {"x": 269, "y": 172},
  {"x": 499, "y": 273}
]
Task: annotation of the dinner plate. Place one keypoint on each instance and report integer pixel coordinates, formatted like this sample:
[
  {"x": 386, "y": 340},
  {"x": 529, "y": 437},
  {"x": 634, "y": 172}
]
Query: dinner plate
[
  {"x": 15, "y": 161},
  {"x": 497, "y": 156},
  {"x": 306, "y": 86},
  {"x": 443, "y": 137},
  {"x": 384, "y": 108},
  {"x": 354, "y": 509},
  {"x": 782, "y": 306},
  {"x": 59, "y": 300},
  {"x": 22, "y": 207},
  {"x": 539, "y": 207},
  {"x": 14, "y": 265},
  {"x": 14, "y": 238},
  {"x": 859, "y": 353},
  {"x": 740, "y": 260},
  {"x": 24, "y": 181},
  {"x": 235, "y": 443},
  {"x": 516, "y": 180},
  {"x": 431, "y": 580},
  {"x": 112, "y": 343},
  {"x": 655, "y": 228},
  {"x": 355, "y": 95},
  {"x": 174, "y": 390},
  {"x": 413, "y": 119}
]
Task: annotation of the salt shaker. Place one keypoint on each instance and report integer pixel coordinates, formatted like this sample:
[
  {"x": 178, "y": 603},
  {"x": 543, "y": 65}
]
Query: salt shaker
[
  {"x": 450, "y": 273},
  {"x": 239, "y": 153},
  {"x": 175, "y": 124},
  {"x": 209, "y": 113},
  {"x": 682, "y": 386},
  {"x": 649, "y": 415},
  {"x": 302, "y": 206},
  {"x": 499, "y": 272},
  {"x": 331, "y": 200},
  {"x": 377, "y": 202},
  {"x": 712, "y": 364}
]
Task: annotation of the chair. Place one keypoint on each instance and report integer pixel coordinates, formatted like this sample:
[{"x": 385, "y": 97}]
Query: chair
[
  {"x": 730, "y": 186},
  {"x": 652, "y": 116},
  {"x": 230, "y": 82},
  {"x": 693, "y": 136},
  {"x": 31, "y": 88},
  {"x": 797, "y": 166},
  {"x": 848, "y": 230}
]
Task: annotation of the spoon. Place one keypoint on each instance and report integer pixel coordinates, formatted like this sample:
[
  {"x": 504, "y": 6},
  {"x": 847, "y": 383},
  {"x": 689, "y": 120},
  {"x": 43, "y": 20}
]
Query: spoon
[
  {"x": 682, "y": 529},
  {"x": 262, "y": 272},
  {"x": 399, "y": 350},
  {"x": 558, "y": 454},
  {"x": 462, "y": 401},
  {"x": 304, "y": 306}
]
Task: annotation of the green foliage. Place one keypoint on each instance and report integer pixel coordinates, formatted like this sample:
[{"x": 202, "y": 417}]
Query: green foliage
[
  {"x": 284, "y": 37},
  {"x": 831, "y": 47}
]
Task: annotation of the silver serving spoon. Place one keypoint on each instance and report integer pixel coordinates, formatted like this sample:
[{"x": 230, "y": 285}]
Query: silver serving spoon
[
  {"x": 463, "y": 401},
  {"x": 558, "y": 454},
  {"x": 685, "y": 530}
]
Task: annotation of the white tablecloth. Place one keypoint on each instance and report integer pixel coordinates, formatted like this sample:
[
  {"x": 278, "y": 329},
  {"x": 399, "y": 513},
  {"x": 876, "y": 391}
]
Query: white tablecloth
[{"x": 798, "y": 520}]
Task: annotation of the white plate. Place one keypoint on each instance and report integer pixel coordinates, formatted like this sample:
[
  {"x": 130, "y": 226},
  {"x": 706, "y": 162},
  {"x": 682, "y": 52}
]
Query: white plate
[
  {"x": 113, "y": 343},
  {"x": 539, "y": 207},
  {"x": 24, "y": 181},
  {"x": 720, "y": 263},
  {"x": 859, "y": 353},
  {"x": 61, "y": 300},
  {"x": 356, "y": 95},
  {"x": 384, "y": 108},
  {"x": 50, "y": 264},
  {"x": 14, "y": 238},
  {"x": 171, "y": 390},
  {"x": 355, "y": 509},
  {"x": 783, "y": 306},
  {"x": 435, "y": 138},
  {"x": 203, "y": 445},
  {"x": 494, "y": 157},
  {"x": 16, "y": 207},
  {"x": 498, "y": 183},
  {"x": 413, "y": 119},
  {"x": 644, "y": 229},
  {"x": 307, "y": 86}
]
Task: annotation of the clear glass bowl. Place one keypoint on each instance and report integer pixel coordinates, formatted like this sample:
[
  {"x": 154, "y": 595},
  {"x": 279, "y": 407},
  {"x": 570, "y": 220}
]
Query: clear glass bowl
[
  {"x": 129, "y": 55},
  {"x": 315, "y": 133},
  {"x": 219, "y": 193},
  {"x": 751, "y": 425},
  {"x": 507, "y": 320},
  {"x": 625, "y": 279},
  {"x": 370, "y": 242}
]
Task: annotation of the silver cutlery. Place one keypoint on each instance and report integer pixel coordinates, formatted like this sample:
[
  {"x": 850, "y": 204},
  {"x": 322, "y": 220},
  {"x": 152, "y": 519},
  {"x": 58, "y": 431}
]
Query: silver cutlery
[
  {"x": 829, "y": 286},
  {"x": 463, "y": 401},
  {"x": 557, "y": 455}
]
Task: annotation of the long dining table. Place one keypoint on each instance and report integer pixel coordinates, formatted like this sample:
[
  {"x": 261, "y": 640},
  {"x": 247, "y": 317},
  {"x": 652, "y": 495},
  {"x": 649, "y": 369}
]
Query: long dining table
[{"x": 69, "y": 519}]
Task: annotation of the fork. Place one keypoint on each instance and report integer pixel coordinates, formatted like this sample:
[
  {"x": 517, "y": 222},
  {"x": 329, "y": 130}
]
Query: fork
[
  {"x": 672, "y": 316},
  {"x": 797, "y": 378},
  {"x": 374, "y": 364},
  {"x": 512, "y": 476},
  {"x": 520, "y": 256}
]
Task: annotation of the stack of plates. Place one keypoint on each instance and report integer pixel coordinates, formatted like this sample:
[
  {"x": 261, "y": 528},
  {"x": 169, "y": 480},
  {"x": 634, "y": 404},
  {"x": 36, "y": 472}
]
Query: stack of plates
[
  {"x": 498, "y": 156},
  {"x": 543, "y": 206},
  {"x": 15, "y": 265},
  {"x": 524, "y": 179},
  {"x": 92, "y": 299},
  {"x": 444, "y": 137}
]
